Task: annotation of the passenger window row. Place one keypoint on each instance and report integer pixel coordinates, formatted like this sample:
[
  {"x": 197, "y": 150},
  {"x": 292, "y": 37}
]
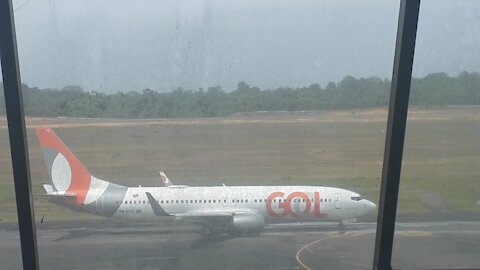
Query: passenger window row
[
  {"x": 136, "y": 202},
  {"x": 176, "y": 201},
  {"x": 219, "y": 201}
]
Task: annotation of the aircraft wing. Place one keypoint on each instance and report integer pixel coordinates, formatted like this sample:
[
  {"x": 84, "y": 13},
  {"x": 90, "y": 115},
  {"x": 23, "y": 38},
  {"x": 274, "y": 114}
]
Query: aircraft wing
[
  {"x": 204, "y": 214},
  {"x": 207, "y": 218},
  {"x": 201, "y": 216},
  {"x": 156, "y": 207}
]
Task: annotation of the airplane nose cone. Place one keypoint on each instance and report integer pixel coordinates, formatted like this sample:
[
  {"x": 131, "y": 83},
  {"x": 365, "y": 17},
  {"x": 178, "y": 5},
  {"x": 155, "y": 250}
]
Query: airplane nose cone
[{"x": 369, "y": 205}]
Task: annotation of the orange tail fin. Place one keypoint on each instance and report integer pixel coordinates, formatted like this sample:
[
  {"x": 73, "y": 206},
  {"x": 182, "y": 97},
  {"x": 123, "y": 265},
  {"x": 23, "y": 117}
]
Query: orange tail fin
[{"x": 67, "y": 173}]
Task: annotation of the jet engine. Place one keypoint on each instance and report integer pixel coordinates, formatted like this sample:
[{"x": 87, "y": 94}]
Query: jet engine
[{"x": 247, "y": 223}]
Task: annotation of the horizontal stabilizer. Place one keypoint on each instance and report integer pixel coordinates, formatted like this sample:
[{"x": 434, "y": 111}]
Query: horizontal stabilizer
[
  {"x": 48, "y": 188},
  {"x": 51, "y": 193},
  {"x": 69, "y": 196}
]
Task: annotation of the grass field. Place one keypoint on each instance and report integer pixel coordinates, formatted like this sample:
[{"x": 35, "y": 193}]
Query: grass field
[{"x": 340, "y": 148}]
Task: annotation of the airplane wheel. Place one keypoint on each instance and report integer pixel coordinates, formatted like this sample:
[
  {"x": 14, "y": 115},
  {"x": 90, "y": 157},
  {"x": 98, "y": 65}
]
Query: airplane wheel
[{"x": 341, "y": 227}]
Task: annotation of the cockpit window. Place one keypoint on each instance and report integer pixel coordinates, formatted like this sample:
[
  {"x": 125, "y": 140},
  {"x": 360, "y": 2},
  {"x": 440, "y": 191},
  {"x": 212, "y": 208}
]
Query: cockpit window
[{"x": 356, "y": 198}]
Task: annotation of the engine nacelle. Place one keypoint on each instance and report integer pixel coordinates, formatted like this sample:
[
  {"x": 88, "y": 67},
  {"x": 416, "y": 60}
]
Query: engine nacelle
[{"x": 248, "y": 223}]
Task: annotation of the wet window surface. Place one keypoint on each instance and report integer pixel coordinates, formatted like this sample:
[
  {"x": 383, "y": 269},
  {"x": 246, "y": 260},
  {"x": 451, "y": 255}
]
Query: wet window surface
[{"x": 207, "y": 135}]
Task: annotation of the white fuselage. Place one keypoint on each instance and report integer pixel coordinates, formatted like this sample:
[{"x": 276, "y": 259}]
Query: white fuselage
[{"x": 274, "y": 203}]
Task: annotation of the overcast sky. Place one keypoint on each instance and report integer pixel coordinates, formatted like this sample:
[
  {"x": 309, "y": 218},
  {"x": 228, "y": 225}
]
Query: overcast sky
[{"x": 120, "y": 45}]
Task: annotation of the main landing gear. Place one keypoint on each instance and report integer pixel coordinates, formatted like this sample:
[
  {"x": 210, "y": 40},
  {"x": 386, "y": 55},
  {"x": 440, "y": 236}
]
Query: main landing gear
[{"x": 341, "y": 227}]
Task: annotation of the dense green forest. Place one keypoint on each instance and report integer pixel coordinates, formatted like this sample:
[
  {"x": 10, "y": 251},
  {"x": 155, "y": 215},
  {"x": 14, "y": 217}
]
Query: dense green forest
[{"x": 72, "y": 101}]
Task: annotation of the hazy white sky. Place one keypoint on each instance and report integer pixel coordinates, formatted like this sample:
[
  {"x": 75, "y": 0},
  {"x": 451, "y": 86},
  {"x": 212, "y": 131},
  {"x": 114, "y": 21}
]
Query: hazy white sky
[{"x": 119, "y": 45}]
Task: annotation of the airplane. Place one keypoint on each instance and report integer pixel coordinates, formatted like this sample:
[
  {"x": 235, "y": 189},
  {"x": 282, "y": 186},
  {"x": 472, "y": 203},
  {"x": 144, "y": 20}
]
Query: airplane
[{"x": 232, "y": 210}]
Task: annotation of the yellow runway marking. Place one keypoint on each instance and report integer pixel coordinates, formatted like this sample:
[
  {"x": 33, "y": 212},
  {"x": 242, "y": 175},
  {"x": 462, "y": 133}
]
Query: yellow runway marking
[
  {"x": 333, "y": 235},
  {"x": 306, "y": 246}
]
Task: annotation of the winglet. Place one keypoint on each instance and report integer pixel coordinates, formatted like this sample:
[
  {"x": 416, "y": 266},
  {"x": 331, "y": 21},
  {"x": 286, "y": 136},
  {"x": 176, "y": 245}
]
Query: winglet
[
  {"x": 166, "y": 182},
  {"x": 157, "y": 209}
]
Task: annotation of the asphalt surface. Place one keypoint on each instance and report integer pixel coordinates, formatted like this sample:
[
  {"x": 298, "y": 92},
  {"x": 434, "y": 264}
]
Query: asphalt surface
[{"x": 435, "y": 245}]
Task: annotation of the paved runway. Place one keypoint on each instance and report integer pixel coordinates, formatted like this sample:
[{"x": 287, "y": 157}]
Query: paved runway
[{"x": 310, "y": 246}]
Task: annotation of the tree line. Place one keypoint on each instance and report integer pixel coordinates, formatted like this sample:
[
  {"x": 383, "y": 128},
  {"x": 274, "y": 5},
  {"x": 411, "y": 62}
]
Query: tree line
[{"x": 350, "y": 93}]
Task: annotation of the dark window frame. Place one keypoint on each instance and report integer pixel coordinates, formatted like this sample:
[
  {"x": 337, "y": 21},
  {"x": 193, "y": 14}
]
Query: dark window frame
[{"x": 393, "y": 151}]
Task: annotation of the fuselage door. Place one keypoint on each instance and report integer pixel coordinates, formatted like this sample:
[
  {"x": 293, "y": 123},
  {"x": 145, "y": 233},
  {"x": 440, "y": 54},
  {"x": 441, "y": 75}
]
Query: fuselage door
[{"x": 338, "y": 201}]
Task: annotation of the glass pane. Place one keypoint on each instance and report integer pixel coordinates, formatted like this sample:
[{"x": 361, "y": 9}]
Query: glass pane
[
  {"x": 10, "y": 253},
  {"x": 273, "y": 113},
  {"x": 438, "y": 217}
]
